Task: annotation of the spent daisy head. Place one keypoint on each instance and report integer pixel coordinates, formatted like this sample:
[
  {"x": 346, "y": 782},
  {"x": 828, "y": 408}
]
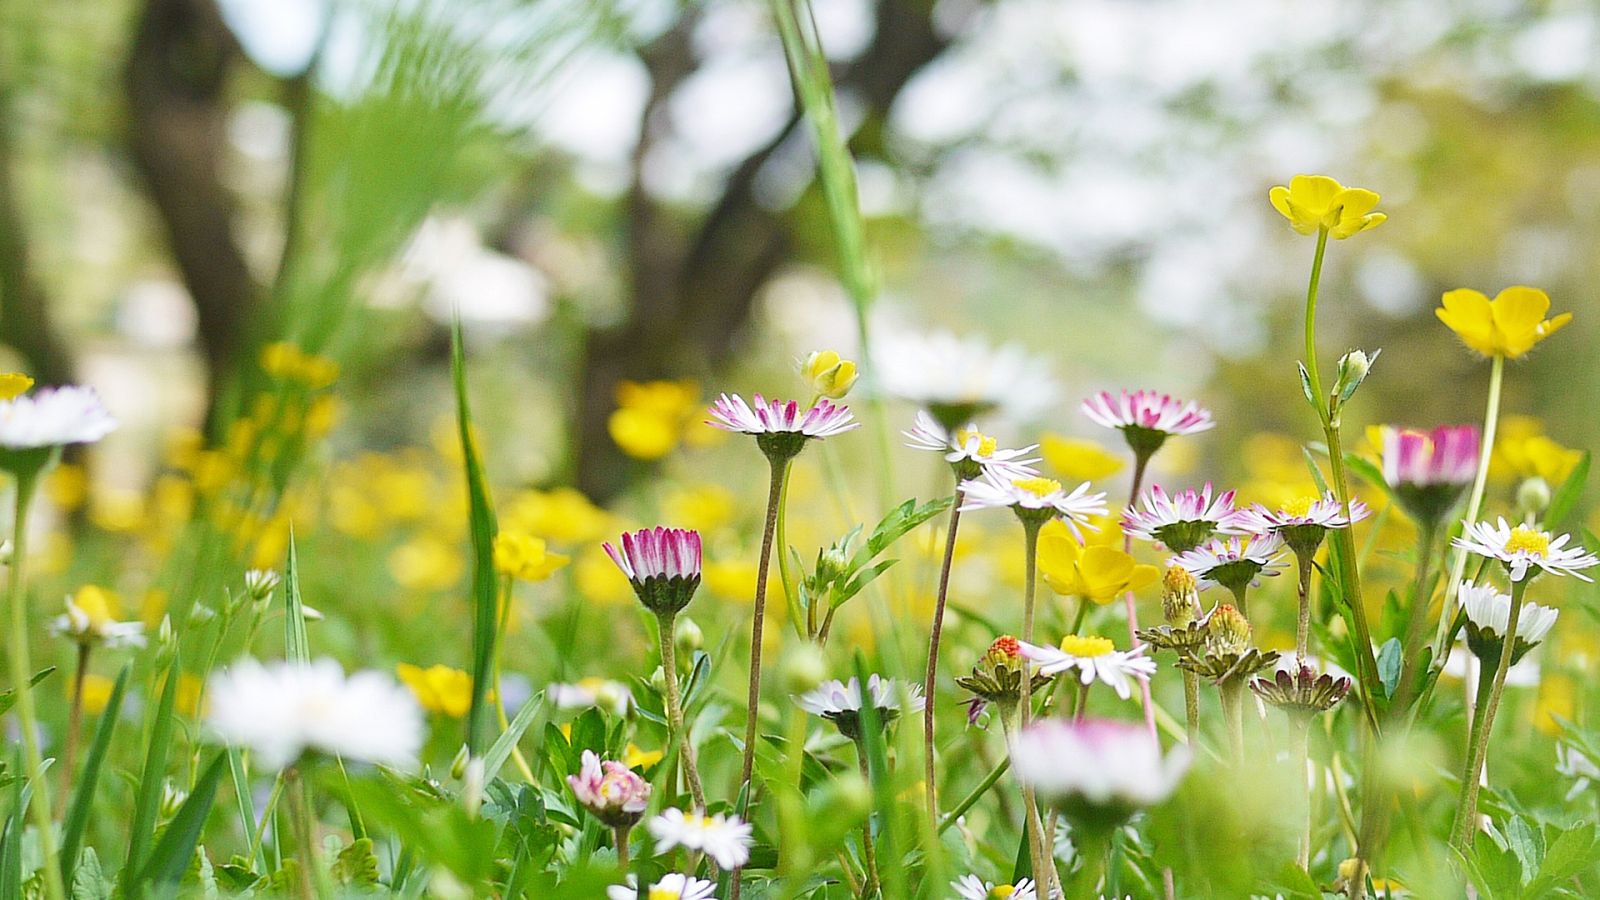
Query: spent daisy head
[
  {"x": 1303, "y": 521},
  {"x": 971, "y": 887},
  {"x": 1429, "y": 471},
  {"x": 1097, "y": 773},
  {"x": 1182, "y": 521},
  {"x": 781, "y": 427},
  {"x": 1146, "y": 418},
  {"x": 610, "y": 791},
  {"x": 957, "y": 379},
  {"x": 283, "y": 711},
  {"x": 1093, "y": 658},
  {"x": 1033, "y": 498},
  {"x": 1526, "y": 551},
  {"x": 671, "y": 886},
  {"x": 33, "y": 426},
  {"x": 662, "y": 564},
  {"x": 968, "y": 450},
  {"x": 1301, "y": 689},
  {"x": 841, "y": 702},
  {"x": 723, "y": 837},
  {"x": 1234, "y": 562},
  {"x": 1488, "y": 613}
]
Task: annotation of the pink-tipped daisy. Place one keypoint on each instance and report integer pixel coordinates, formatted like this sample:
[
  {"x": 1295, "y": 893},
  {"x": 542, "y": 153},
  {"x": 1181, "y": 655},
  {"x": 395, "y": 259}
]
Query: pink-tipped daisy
[
  {"x": 1302, "y": 522},
  {"x": 731, "y": 413},
  {"x": 662, "y": 564},
  {"x": 1522, "y": 549},
  {"x": 1094, "y": 658},
  {"x": 1181, "y": 521},
  {"x": 1234, "y": 562},
  {"x": 968, "y": 450},
  {"x": 1429, "y": 470},
  {"x": 1033, "y": 498},
  {"x": 1147, "y": 418}
]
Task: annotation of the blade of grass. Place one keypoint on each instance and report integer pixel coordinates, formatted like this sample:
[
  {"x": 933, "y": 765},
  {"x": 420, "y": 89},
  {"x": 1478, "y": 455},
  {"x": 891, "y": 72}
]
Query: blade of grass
[
  {"x": 8, "y": 698},
  {"x": 503, "y": 745},
  {"x": 83, "y": 793},
  {"x": 170, "y": 859},
  {"x": 480, "y": 715},
  {"x": 247, "y": 804},
  {"x": 148, "y": 801},
  {"x": 297, "y": 647}
]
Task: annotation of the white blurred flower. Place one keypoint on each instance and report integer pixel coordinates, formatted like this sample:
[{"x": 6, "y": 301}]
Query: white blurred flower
[
  {"x": 672, "y": 886},
  {"x": 971, "y": 887},
  {"x": 1096, "y": 763},
  {"x": 611, "y": 696},
  {"x": 54, "y": 417},
  {"x": 962, "y": 376},
  {"x": 723, "y": 837}
]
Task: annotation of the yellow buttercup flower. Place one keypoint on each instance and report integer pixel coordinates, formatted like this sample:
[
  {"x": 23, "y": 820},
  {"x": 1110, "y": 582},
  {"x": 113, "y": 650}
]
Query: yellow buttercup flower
[
  {"x": 1509, "y": 325},
  {"x": 438, "y": 688},
  {"x": 1096, "y": 573},
  {"x": 14, "y": 385},
  {"x": 425, "y": 563},
  {"x": 1078, "y": 459},
  {"x": 1314, "y": 202},
  {"x": 96, "y": 693},
  {"x": 525, "y": 557},
  {"x": 828, "y": 374},
  {"x": 651, "y": 417},
  {"x": 563, "y": 515},
  {"x": 1522, "y": 450},
  {"x": 635, "y": 757},
  {"x": 702, "y": 507}
]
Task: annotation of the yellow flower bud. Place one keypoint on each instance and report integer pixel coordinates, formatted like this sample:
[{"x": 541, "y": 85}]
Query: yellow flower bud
[
  {"x": 828, "y": 374},
  {"x": 14, "y": 385}
]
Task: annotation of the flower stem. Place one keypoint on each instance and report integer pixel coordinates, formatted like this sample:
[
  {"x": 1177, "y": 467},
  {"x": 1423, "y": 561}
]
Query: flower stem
[
  {"x": 930, "y": 681},
  {"x": 1240, "y": 602},
  {"x": 1458, "y": 566},
  {"x": 1141, "y": 460},
  {"x": 313, "y": 881},
  {"x": 868, "y": 853},
  {"x": 1300, "y": 736},
  {"x": 1232, "y": 690},
  {"x": 780, "y": 471},
  {"x": 75, "y": 723},
  {"x": 1030, "y": 565},
  {"x": 1465, "y": 822},
  {"x": 677, "y": 733},
  {"x": 1416, "y": 616},
  {"x": 1302, "y": 627},
  {"x": 27, "y": 717},
  {"x": 1191, "y": 706},
  {"x": 620, "y": 838},
  {"x": 507, "y": 598}
]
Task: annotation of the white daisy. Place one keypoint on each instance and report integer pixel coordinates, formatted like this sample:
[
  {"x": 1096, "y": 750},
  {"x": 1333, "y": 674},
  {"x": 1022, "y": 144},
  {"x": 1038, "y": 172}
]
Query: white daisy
[
  {"x": 825, "y": 419},
  {"x": 834, "y": 697},
  {"x": 1233, "y": 562},
  {"x": 1095, "y": 658},
  {"x": 1183, "y": 520},
  {"x": 723, "y": 837},
  {"x": 53, "y": 417},
  {"x": 1321, "y": 512},
  {"x": 672, "y": 886},
  {"x": 969, "y": 446},
  {"x": 970, "y": 887},
  {"x": 91, "y": 623},
  {"x": 611, "y": 696},
  {"x": 958, "y": 378},
  {"x": 284, "y": 710},
  {"x": 1490, "y": 610},
  {"x": 1033, "y": 495},
  {"x": 1096, "y": 763},
  {"x": 1522, "y": 548}
]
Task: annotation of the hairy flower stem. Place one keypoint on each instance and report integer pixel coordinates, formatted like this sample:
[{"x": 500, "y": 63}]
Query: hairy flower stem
[
  {"x": 1300, "y": 738},
  {"x": 677, "y": 733},
  {"x": 27, "y": 717},
  {"x": 1191, "y": 706},
  {"x": 1030, "y": 566},
  {"x": 930, "y": 681},
  {"x": 1232, "y": 691},
  {"x": 1458, "y": 566},
  {"x": 1033, "y": 825},
  {"x": 619, "y": 837},
  {"x": 1141, "y": 460},
  {"x": 313, "y": 880},
  {"x": 1302, "y": 625},
  {"x": 869, "y": 855},
  {"x": 1465, "y": 823},
  {"x": 1240, "y": 601}
]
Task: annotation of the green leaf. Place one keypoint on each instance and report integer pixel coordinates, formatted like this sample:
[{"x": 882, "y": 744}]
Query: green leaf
[
  {"x": 90, "y": 882},
  {"x": 485, "y": 590},
  {"x": 173, "y": 852},
  {"x": 900, "y": 520},
  {"x": 1572, "y": 852},
  {"x": 297, "y": 647},
  {"x": 1527, "y": 845},
  {"x": 148, "y": 801},
  {"x": 8, "y": 698},
  {"x": 1566, "y": 496},
  {"x": 860, "y": 581},
  {"x": 1390, "y": 659},
  {"x": 357, "y": 865},
  {"x": 1368, "y": 471},
  {"x": 503, "y": 745},
  {"x": 83, "y": 792},
  {"x": 1305, "y": 388}
]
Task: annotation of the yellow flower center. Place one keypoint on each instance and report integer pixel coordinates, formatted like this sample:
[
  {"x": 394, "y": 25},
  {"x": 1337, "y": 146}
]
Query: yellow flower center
[
  {"x": 657, "y": 893},
  {"x": 1001, "y": 892},
  {"x": 1299, "y": 506},
  {"x": 1535, "y": 542},
  {"x": 13, "y": 385},
  {"x": 986, "y": 444},
  {"x": 1086, "y": 645},
  {"x": 1039, "y": 487}
]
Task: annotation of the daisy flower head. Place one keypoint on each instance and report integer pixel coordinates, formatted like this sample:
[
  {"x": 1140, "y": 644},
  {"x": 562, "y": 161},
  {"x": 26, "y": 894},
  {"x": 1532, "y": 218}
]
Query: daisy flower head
[
  {"x": 1182, "y": 521},
  {"x": 1146, "y": 418},
  {"x": 1097, "y": 773},
  {"x": 33, "y": 426},
  {"x": 89, "y": 620},
  {"x": 723, "y": 837},
  {"x": 1429, "y": 471},
  {"x": 1033, "y": 498},
  {"x": 840, "y": 702},
  {"x": 283, "y": 711},
  {"x": 1234, "y": 562},
  {"x": 610, "y": 696},
  {"x": 1303, "y": 521},
  {"x": 1488, "y": 617},
  {"x": 662, "y": 564},
  {"x": 956, "y": 379},
  {"x": 610, "y": 791},
  {"x": 968, "y": 450},
  {"x": 672, "y": 886},
  {"x": 1526, "y": 551},
  {"x": 971, "y": 887},
  {"x": 1094, "y": 658},
  {"x": 781, "y": 428}
]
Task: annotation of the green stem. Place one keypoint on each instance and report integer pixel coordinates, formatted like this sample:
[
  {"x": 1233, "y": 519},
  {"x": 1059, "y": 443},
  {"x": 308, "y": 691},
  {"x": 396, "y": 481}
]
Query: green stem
[
  {"x": 1140, "y": 461},
  {"x": 1232, "y": 691},
  {"x": 780, "y": 470},
  {"x": 1191, "y": 706},
  {"x": 1030, "y": 566},
  {"x": 930, "y": 681},
  {"x": 620, "y": 839},
  {"x": 1239, "y": 599},
  {"x": 1416, "y": 616},
  {"x": 989, "y": 781},
  {"x": 506, "y": 599},
  {"x": 27, "y": 718},
  {"x": 869, "y": 855},
  {"x": 75, "y": 724},
  {"x": 1458, "y": 566},
  {"x": 1311, "y": 328},
  {"x": 313, "y": 880},
  {"x": 1302, "y": 627},
  {"x": 677, "y": 733},
  {"x": 1478, "y": 747},
  {"x": 782, "y": 539},
  {"x": 1300, "y": 735}
]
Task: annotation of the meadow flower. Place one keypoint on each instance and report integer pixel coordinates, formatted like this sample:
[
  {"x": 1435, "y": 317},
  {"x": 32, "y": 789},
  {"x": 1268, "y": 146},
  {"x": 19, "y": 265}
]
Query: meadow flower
[
  {"x": 827, "y": 374},
  {"x": 1098, "y": 773},
  {"x": 997, "y": 678},
  {"x": 1315, "y": 202},
  {"x": 1302, "y": 690},
  {"x": 971, "y": 887},
  {"x": 13, "y": 385},
  {"x": 611, "y": 696},
  {"x": 968, "y": 450},
  {"x": 1180, "y": 596},
  {"x": 840, "y": 702},
  {"x": 32, "y": 425},
  {"x": 723, "y": 837},
  {"x": 90, "y": 619},
  {"x": 1429, "y": 471},
  {"x": 1146, "y": 418},
  {"x": 672, "y": 886},
  {"x": 1234, "y": 562},
  {"x": 260, "y": 583},
  {"x": 610, "y": 791},
  {"x": 653, "y": 417},
  {"x": 1078, "y": 459},
  {"x": 438, "y": 688},
  {"x": 780, "y": 427},
  {"x": 1033, "y": 498},
  {"x": 1095, "y": 658},
  {"x": 956, "y": 379},
  {"x": 1523, "y": 451},
  {"x": 525, "y": 557},
  {"x": 1489, "y": 613},
  {"x": 1303, "y": 521},
  {"x": 662, "y": 564},
  {"x": 1184, "y": 520},
  {"x": 1509, "y": 325},
  {"x": 284, "y": 710},
  {"x": 1522, "y": 548},
  {"x": 1096, "y": 573}
]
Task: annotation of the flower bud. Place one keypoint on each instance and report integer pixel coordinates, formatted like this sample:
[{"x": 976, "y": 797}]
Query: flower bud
[
  {"x": 803, "y": 669},
  {"x": 1227, "y": 632},
  {"x": 458, "y": 763},
  {"x": 1006, "y": 651},
  {"x": 1533, "y": 497},
  {"x": 260, "y": 583},
  {"x": 1180, "y": 597},
  {"x": 172, "y": 799},
  {"x": 828, "y": 374},
  {"x": 1353, "y": 369},
  {"x": 658, "y": 681},
  {"x": 688, "y": 637}
]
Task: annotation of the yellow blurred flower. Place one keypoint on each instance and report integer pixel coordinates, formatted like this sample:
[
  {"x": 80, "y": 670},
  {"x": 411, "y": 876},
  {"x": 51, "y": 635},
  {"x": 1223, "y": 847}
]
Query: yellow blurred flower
[
  {"x": 563, "y": 515},
  {"x": 701, "y": 507},
  {"x": 828, "y": 374},
  {"x": 191, "y": 695},
  {"x": 425, "y": 563},
  {"x": 1509, "y": 325},
  {"x": 598, "y": 578},
  {"x": 651, "y": 416},
  {"x": 635, "y": 757},
  {"x": 1096, "y": 573},
  {"x": 1077, "y": 459},
  {"x": 438, "y": 688},
  {"x": 117, "y": 510},
  {"x": 287, "y": 361},
  {"x": 732, "y": 579},
  {"x": 96, "y": 693},
  {"x": 525, "y": 557},
  {"x": 642, "y": 434},
  {"x": 1558, "y": 696},
  {"x": 67, "y": 485},
  {"x": 1522, "y": 450},
  {"x": 1314, "y": 202},
  {"x": 14, "y": 385}
]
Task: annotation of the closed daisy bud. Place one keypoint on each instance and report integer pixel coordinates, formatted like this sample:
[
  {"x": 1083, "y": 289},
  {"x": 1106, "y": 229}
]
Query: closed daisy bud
[
  {"x": 1180, "y": 597},
  {"x": 1533, "y": 497},
  {"x": 1227, "y": 632},
  {"x": 828, "y": 374},
  {"x": 662, "y": 564}
]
